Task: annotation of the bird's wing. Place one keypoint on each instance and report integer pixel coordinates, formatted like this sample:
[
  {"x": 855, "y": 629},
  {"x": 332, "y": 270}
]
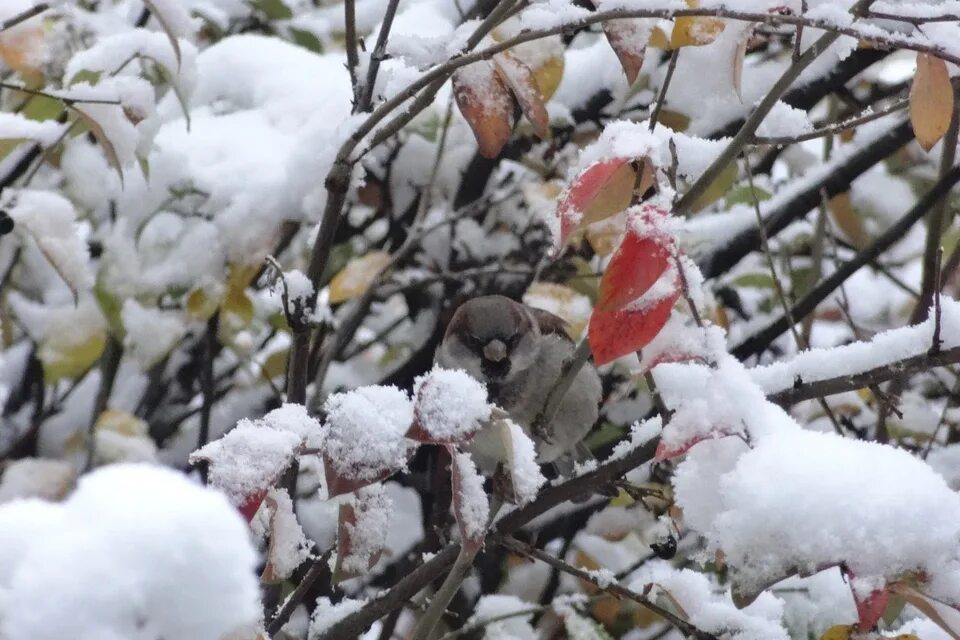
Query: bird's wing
[{"x": 551, "y": 324}]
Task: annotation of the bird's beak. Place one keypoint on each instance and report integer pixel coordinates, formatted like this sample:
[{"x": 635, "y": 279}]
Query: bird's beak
[{"x": 495, "y": 351}]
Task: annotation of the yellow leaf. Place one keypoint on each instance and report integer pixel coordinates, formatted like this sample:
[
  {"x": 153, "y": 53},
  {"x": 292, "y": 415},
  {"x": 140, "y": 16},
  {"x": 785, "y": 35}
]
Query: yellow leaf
[
  {"x": 659, "y": 39},
  {"x": 931, "y": 100},
  {"x": 237, "y": 309},
  {"x": 22, "y": 49},
  {"x": 357, "y": 276},
  {"x": 605, "y": 236},
  {"x": 838, "y": 632},
  {"x": 695, "y": 31},
  {"x": 842, "y": 211},
  {"x": 574, "y": 308},
  {"x": 548, "y": 76},
  {"x": 275, "y": 365},
  {"x": 202, "y": 302},
  {"x": 122, "y": 423},
  {"x": 63, "y": 356},
  {"x": 718, "y": 188},
  {"x": 674, "y": 120}
]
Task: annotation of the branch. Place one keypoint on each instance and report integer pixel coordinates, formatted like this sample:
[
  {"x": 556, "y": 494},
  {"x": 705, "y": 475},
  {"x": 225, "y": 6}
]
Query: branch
[
  {"x": 841, "y": 384},
  {"x": 832, "y": 182},
  {"x": 353, "y": 58},
  {"x": 412, "y": 583},
  {"x": 760, "y": 340},
  {"x": 379, "y": 51},
  {"x": 687, "y": 629},
  {"x": 23, "y": 16}
]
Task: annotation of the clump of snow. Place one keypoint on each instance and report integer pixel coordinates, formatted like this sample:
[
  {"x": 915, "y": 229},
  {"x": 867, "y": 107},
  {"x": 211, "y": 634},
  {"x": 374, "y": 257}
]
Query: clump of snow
[
  {"x": 449, "y": 404},
  {"x": 470, "y": 500},
  {"x": 150, "y": 333},
  {"x": 709, "y": 609},
  {"x": 169, "y": 559},
  {"x": 328, "y": 614},
  {"x": 516, "y": 626},
  {"x": 366, "y": 430},
  {"x": 802, "y": 500},
  {"x": 522, "y": 463},
  {"x": 367, "y": 533},
  {"x": 785, "y": 121},
  {"x": 294, "y": 418},
  {"x": 248, "y": 460},
  {"x": 288, "y": 545}
]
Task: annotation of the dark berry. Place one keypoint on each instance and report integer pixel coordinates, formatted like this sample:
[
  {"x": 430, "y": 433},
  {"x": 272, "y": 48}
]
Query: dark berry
[{"x": 6, "y": 223}]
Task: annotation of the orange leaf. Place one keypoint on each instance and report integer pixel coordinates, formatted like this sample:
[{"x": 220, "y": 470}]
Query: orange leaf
[
  {"x": 604, "y": 189},
  {"x": 486, "y": 105},
  {"x": 931, "y": 100},
  {"x": 613, "y": 334},
  {"x": 523, "y": 83},
  {"x": 635, "y": 266},
  {"x": 624, "y": 38}
]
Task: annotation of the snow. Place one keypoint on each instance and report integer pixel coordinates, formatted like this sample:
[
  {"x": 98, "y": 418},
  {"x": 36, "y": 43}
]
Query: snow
[
  {"x": 367, "y": 534},
  {"x": 288, "y": 545},
  {"x": 884, "y": 348},
  {"x": 784, "y": 121},
  {"x": 169, "y": 558},
  {"x": 522, "y": 463},
  {"x": 515, "y": 627},
  {"x": 803, "y": 500},
  {"x": 150, "y": 333},
  {"x": 248, "y": 460},
  {"x": 366, "y": 431},
  {"x": 14, "y": 126},
  {"x": 449, "y": 404},
  {"x": 37, "y": 478},
  {"x": 470, "y": 501},
  {"x": 708, "y": 610},
  {"x": 328, "y": 614}
]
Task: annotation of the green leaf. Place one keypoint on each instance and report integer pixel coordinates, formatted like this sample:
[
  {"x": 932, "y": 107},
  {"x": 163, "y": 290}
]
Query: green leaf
[
  {"x": 273, "y": 9},
  {"x": 85, "y": 75},
  {"x": 744, "y": 195},
  {"x": 306, "y": 40},
  {"x": 755, "y": 281}
]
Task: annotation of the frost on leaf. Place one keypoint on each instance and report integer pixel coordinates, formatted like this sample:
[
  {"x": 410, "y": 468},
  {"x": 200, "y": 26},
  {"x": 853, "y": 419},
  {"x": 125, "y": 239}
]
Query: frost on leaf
[
  {"x": 449, "y": 406},
  {"x": 628, "y": 39},
  {"x": 362, "y": 528},
  {"x": 523, "y": 84},
  {"x": 288, "y": 546},
  {"x": 486, "y": 104},
  {"x": 247, "y": 462},
  {"x": 366, "y": 442},
  {"x": 520, "y": 461},
  {"x": 470, "y": 502}
]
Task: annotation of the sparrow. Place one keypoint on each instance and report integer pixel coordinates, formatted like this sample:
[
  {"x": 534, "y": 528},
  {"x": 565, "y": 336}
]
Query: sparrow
[{"x": 518, "y": 352}]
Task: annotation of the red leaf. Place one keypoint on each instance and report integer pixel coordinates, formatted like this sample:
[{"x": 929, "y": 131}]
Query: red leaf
[
  {"x": 522, "y": 82},
  {"x": 604, "y": 189},
  {"x": 665, "y": 452},
  {"x": 623, "y": 36},
  {"x": 616, "y": 333},
  {"x": 339, "y": 484},
  {"x": 869, "y": 609},
  {"x": 636, "y": 264},
  {"x": 251, "y": 505}
]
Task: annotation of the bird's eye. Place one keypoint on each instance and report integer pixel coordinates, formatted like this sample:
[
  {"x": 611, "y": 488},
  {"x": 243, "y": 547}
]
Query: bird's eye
[{"x": 473, "y": 342}]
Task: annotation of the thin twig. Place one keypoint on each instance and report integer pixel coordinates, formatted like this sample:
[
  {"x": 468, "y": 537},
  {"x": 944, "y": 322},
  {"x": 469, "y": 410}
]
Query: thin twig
[
  {"x": 379, "y": 51},
  {"x": 662, "y": 98},
  {"x": 109, "y": 364},
  {"x": 833, "y": 129},
  {"x": 353, "y": 56},
  {"x": 317, "y": 569},
  {"x": 23, "y": 16},
  {"x": 612, "y": 588}
]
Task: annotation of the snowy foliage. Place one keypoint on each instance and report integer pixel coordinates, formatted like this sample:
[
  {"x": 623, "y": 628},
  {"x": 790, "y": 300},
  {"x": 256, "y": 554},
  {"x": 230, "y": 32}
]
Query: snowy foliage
[{"x": 233, "y": 234}]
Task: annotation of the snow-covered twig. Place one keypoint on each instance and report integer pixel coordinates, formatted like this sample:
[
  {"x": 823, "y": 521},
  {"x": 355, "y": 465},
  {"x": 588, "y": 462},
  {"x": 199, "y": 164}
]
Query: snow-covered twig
[
  {"x": 23, "y": 16},
  {"x": 613, "y": 588}
]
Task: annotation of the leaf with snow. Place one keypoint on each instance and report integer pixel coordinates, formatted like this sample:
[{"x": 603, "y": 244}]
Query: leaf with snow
[
  {"x": 642, "y": 258},
  {"x": 613, "y": 334},
  {"x": 603, "y": 189},
  {"x": 523, "y": 84},
  {"x": 521, "y": 465},
  {"x": 486, "y": 104},
  {"x": 366, "y": 439},
  {"x": 470, "y": 503},
  {"x": 288, "y": 547},
  {"x": 449, "y": 406},
  {"x": 175, "y": 21},
  {"x": 362, "y": 528},
  {"x": 247, "y": 462}
]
